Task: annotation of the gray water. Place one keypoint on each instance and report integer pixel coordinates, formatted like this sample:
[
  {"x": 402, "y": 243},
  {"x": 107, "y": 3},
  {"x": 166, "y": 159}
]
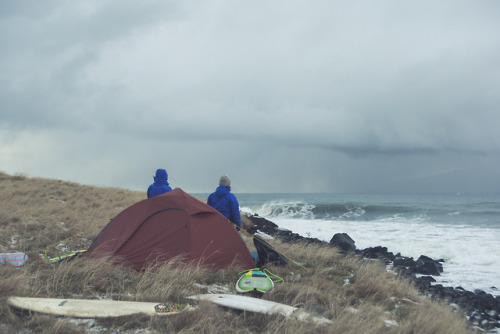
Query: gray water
[{"x": 461, "y": 229}]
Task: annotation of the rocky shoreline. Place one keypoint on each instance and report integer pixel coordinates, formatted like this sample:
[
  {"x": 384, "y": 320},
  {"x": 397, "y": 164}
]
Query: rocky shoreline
[{"x": 481, "y": 309}]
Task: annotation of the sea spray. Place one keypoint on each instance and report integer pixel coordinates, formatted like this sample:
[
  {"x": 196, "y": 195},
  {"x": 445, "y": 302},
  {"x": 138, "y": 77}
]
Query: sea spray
[{"x": 461, "y": 230}]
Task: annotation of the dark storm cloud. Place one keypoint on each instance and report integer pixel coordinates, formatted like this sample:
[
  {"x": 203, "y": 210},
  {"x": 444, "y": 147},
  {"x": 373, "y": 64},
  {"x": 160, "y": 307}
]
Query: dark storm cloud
[{"x": 283, "y": 96}]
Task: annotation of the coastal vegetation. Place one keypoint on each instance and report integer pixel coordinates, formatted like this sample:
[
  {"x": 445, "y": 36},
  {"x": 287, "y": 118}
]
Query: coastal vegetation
[{"x": 47, "y": 218}]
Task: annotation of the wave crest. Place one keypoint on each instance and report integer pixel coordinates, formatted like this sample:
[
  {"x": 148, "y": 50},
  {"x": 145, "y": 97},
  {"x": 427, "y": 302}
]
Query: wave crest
[
  {"x": 287, "y": 210},
  {"x": 336, "y": 211}
]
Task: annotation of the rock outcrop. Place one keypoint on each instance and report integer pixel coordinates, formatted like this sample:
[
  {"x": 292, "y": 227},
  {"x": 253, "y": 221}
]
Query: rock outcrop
[{"x": 482, "y": 309}]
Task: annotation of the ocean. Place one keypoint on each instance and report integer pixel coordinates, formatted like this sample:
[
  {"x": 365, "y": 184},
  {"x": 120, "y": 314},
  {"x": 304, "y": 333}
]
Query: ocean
[{"x": 463, "y": 230}]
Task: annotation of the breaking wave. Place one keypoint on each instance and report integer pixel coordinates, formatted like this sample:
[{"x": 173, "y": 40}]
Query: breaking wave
[
  {"x": 462, "y": 230},
  {"x": 345, "y": 211}
]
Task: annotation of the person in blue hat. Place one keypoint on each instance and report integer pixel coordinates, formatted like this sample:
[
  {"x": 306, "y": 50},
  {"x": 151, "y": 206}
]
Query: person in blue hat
[
  {"x": 225, "y": 202},
  {"x": 160, "y": 186}
]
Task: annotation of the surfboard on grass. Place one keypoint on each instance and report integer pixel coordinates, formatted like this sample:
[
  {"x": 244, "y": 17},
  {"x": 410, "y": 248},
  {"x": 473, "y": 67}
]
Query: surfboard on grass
[
  {"x": 254, "y": 280},
  {"x": 252, "y": 304},
  {"x": 89, "y": 308}
]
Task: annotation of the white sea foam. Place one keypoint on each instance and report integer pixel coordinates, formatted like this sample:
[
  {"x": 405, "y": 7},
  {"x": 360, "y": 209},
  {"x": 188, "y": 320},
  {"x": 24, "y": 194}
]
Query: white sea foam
[
  {"x": 462, "y": 230},
  {"x": 471, "y": 255},
  {"x": 287, "y": 209}
]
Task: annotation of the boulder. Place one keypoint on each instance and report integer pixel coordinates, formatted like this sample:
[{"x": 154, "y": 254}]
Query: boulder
[
  {"x": 481, "y": 308},
  {"x": 404, "y": 263},
  {"x": 343, "y": 241},
  {"x": 378, "y": 252},
  {"x": 428, "y": 266},
  {"x": 262, "y": 224}
]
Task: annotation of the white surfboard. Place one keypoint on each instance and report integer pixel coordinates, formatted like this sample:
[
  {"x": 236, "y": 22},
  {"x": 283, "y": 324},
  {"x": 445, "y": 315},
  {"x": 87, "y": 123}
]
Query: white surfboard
[
  {"x": 252, "y": 304},
  {"x": 89, "y": 308}
]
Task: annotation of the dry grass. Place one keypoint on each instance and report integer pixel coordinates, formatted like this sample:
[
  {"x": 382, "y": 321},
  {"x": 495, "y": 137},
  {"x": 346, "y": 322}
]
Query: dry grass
[{"x": 357, "y": 296}]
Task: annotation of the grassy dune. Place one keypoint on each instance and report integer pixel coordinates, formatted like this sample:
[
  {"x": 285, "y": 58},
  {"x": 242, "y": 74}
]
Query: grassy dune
[{"x": 36, "y": 214}]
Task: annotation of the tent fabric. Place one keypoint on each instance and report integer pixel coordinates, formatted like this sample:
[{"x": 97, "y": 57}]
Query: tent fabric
[
  {"x": 267, "y": 254},
  {"x": 169, "y": 225}
]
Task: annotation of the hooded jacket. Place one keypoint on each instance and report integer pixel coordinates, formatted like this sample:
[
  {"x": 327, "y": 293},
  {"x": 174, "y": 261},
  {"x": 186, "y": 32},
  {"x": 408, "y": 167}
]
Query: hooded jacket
[
  {"x": 160, "y": 186},
  {"x": 226, "y": 203}
]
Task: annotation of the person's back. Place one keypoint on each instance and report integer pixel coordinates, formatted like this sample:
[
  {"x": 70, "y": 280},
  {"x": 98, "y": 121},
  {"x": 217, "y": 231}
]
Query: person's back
[
  {"x": 225, "y": 202},
  {"x": 160, "y": 184}
]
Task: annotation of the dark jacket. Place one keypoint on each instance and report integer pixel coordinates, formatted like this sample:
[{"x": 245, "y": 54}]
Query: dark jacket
[
  {"x": 160, "y": 186},
  {"x": 226, "y": 203}
]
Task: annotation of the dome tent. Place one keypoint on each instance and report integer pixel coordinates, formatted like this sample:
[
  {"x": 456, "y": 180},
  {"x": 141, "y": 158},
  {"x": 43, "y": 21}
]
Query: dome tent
[{"x": 172, "y": 224}]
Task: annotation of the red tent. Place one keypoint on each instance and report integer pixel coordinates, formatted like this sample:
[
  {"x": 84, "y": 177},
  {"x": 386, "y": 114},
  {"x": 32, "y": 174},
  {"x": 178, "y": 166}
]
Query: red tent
[{"x": 164, "y": 226}]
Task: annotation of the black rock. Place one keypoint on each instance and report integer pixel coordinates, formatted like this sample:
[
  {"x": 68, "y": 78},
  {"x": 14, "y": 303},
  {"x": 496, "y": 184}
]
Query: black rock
[
  {"x": 262, "y": 224},
  {"x": 424, "y": 282},
  {"x": 288, "y": 236},
  {"x": 378, "y": 252},
  {"x": 403, "y": 261},
  {"x": 270, "y": 228},
  {"x": 428, "y": 266},
  {"x": 343, "y": 241},
  {"x": 481, "y": 308}
]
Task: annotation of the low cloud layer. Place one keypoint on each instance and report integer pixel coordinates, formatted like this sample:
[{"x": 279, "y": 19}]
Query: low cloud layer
[{"x": 281, "y": 96}]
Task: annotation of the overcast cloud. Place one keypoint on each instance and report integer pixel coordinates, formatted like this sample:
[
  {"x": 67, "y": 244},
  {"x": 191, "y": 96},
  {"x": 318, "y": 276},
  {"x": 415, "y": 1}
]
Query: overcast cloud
[{"x": 283, "y": 96}]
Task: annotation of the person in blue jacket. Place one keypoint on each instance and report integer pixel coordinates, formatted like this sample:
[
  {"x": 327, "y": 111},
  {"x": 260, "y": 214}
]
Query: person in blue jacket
[
  {"x": 225, "y": 202},
  {"x": 160, "y": 186}
]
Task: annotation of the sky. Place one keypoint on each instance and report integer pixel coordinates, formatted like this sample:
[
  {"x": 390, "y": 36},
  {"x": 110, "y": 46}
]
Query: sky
[{"x": 331, "y": 96}]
